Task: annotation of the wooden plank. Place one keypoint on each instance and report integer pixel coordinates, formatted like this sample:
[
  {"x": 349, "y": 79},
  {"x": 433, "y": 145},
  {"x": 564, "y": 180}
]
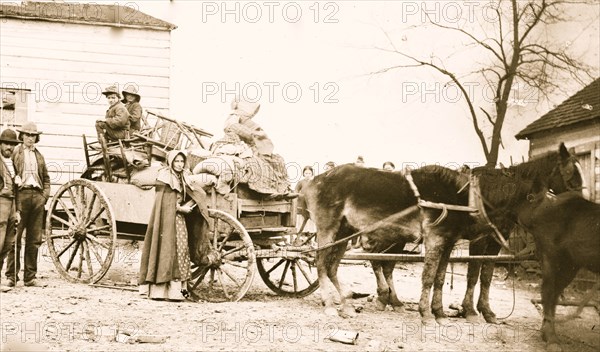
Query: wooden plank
[
  {"x": 112, "y": 57},
  {"x": 162, "y": 51},
  {"x": 100, "y": 34},
  {"x": 77, "y": 29},
  {"x": 251, "y": 205},
  {"x": 411, "y": 258},
  {"x": 82, "y": 92},
  {"x": 66, "y": 64},
  {"x": 75, "y": 76}
]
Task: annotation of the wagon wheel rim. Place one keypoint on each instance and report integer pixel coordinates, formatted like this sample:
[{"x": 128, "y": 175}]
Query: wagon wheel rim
[
  {"x": 289, "y": 277},
  {"x": 81, "y": 232},
  {"x": 230, "y": 264}
]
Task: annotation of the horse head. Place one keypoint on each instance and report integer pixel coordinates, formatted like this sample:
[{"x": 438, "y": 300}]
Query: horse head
[{"x": 567, "y": 174}]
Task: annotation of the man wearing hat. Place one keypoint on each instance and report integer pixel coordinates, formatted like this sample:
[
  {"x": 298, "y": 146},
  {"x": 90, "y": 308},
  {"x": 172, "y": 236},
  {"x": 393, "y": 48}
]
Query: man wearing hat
[
  {"x": 131, "y": 99},
  {"x": 9, "y": 214},
  {"x": 33, "y": 185},
  {"x": 115, "y": 126}
]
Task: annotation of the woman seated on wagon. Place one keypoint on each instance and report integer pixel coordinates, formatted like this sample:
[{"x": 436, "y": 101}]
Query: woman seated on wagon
[{"x": 244, "y": 155}]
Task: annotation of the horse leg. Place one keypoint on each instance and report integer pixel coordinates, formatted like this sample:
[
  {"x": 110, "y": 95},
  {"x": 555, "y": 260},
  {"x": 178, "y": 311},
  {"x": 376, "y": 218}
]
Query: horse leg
[
  {"x": 487, "y": 273},
  {"x": 555, "y": 279},
  {"x": 434, "y": 246},
  {"x": 336, "y": 254},
  {"x": 325, "y": 262},
  {"x": 473, "y": 270},
  {"x": 383, "y": 290},
  {"x": 472, "y": 277},
  {"x": 388, "y": 273},
  {"x": 437, "y": 306}
]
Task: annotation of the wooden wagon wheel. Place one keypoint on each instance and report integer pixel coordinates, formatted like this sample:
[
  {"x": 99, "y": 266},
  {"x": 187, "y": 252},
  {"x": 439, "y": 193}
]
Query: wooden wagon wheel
[
  {"x": 229, "y": 269},
  {"x": 289, "y": 277},
  {"x": 81, "y": 231}
]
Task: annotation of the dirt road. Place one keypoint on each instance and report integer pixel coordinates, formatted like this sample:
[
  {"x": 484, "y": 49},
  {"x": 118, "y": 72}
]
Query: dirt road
[{"x": 75, "y": 317}]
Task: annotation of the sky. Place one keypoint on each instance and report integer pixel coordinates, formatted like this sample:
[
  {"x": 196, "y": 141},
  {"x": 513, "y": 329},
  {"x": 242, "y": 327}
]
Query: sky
[{"x": 310, "y": 65}]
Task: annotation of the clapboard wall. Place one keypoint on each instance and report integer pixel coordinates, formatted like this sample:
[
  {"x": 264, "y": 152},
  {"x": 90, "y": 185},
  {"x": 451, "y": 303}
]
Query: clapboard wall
[
  {"x": 65, "y": 65},
  {"x": 584, "y": 140}
]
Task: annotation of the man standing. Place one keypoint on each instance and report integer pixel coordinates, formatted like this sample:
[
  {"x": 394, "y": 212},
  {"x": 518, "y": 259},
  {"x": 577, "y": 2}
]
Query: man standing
[
  {"x": 33, "y": 189},
  {"x": 9, "y": 215}
]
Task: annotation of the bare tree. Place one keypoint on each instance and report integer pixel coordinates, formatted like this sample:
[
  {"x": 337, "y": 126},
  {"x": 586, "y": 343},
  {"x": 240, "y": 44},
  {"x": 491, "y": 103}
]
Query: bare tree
[{"x": 519, "y": 54}]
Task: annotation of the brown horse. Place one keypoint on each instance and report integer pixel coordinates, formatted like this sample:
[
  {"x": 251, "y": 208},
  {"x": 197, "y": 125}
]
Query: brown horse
[
  {"x": 365, "y": 193},
  {"x": 566, "y": 229},
  {"x": 347, "y": 199},
  {"x": 502, "y": 191}
]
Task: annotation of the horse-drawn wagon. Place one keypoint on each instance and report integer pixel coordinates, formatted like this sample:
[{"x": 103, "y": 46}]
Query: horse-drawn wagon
[{"x": 110, "y": 202}]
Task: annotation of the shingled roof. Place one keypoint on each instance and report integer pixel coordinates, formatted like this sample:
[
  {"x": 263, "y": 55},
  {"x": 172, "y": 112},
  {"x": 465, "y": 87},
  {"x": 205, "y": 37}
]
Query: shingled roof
[
  {"x": 94, "y": 14},
  {"x": 584, "y": 106}
]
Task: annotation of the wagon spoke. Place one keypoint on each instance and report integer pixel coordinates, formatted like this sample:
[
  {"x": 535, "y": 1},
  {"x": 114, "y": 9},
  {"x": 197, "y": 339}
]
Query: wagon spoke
[
  {"x": 285, "y": 269},
  {"x": 203, "y": 271},
  {"x": 220, "y": 277},
  {"x": 95, "y": 217},
  {"x": 234, "y": 263},
  {"x": 88, "y": 259},
  {"x": 72, "y": 257},
  {"x": 63, "y": 235},
  {"x": 68, "y": 211},
  {"x": 224, "y": 241},
  {"x": 90, "y": 207},
  {"x": 94, "y": 250},
  {"x": 230, "y": 277},
  {"x": 65, "y": 249},
  {"x": 74, "y": 202},
  {"x": 304, "y": 273},
  {"x": 62, "y": 221},
  {"x": 294, "y": 278},
  {"x": 281, "y": 261},
  {"x": 233, "y": 250},
  {"x": 95, "y": 240},
  {"x": 99, "y": 229},
  {"x": 82, "y": 203},
  {"x": 80, "y": 267}
]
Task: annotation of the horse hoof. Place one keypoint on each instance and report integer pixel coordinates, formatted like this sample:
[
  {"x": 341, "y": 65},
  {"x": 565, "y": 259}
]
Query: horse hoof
[
  {"x": 490, "y": 319},
  {"x": 399, "y": 309},
  {"x": 347, "y": 311},
  {"x": 427, "y": 320},
  {"x": 442, "y": 321},
  {"x": 472, "y": 319},
  {"x": 380, "y": 306},
  {"x": 553, "y": 347},
  {"x": 331, "y": 311}
]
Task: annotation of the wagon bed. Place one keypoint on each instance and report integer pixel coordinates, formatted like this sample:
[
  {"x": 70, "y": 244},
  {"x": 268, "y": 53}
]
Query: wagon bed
[{"x": 247, "y": 230}]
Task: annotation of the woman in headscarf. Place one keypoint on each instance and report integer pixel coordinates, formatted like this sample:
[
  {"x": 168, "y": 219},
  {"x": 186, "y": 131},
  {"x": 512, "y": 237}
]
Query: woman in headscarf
[
  {"x": 165, "y": 264},
  {"x": 263, "y": 170}
]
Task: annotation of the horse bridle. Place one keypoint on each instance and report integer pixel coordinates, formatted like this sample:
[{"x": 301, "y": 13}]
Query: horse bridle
[{"x": 567, "y": 170}]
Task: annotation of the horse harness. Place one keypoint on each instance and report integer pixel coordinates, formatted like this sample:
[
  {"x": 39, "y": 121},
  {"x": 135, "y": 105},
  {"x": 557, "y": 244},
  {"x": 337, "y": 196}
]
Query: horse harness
[{"x": 476, "y": 207}]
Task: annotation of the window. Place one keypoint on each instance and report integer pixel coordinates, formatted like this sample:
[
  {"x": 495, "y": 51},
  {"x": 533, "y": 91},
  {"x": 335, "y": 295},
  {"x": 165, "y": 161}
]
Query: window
[{"x": 13, "y": 109}]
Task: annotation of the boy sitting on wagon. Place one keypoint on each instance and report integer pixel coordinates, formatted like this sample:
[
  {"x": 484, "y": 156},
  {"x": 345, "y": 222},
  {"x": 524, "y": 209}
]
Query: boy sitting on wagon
[{"x": 115, "y": 126}]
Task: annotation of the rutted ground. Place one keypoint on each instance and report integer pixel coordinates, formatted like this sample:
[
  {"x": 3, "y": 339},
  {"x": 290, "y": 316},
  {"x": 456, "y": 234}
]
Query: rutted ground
[{"x": 74, "y": 317}]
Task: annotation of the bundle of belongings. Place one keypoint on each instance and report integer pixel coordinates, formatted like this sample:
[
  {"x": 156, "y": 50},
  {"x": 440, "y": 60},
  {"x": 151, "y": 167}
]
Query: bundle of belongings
[{"x": 243, "y": 155}]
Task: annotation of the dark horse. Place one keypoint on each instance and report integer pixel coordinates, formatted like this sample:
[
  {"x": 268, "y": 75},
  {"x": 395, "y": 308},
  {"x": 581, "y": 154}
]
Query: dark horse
[
  {"x": 566, "y": 229},
  {"x": 347, "y": 192}
]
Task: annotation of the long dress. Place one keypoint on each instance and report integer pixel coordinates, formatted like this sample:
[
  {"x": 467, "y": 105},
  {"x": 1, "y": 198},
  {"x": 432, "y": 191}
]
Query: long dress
[
  {"x": 165, "y": 264},
  {"x": 303, "y": 221}
]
